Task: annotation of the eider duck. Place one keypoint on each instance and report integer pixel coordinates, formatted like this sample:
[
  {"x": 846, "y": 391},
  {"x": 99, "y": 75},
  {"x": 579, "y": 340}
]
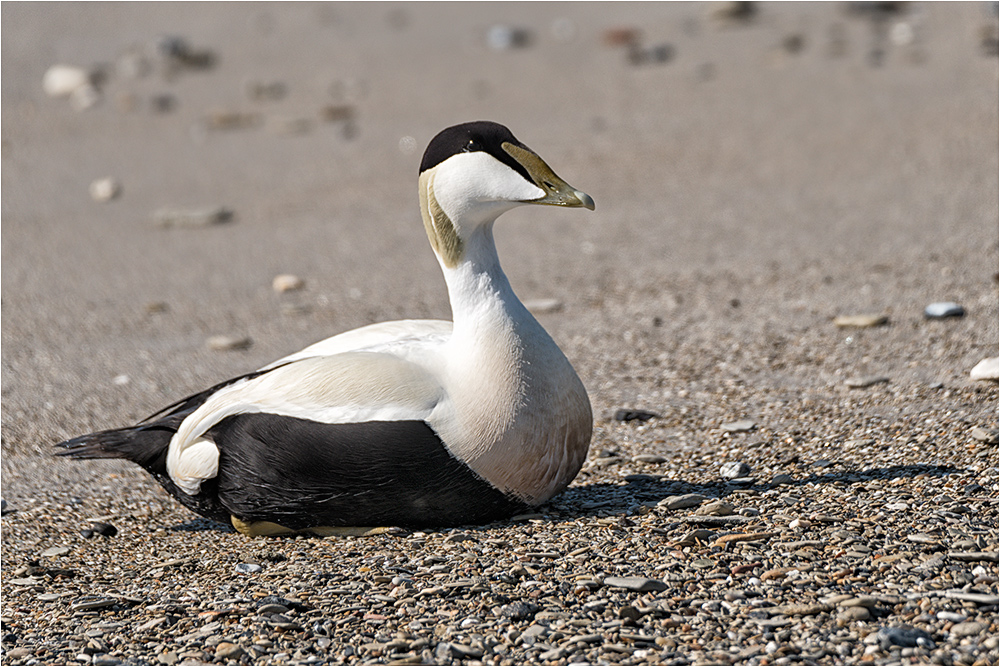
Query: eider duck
[{"x": 408, "y": 423}]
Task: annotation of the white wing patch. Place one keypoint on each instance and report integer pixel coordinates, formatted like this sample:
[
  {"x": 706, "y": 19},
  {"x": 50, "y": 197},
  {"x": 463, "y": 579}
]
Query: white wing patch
[
  {"x": 374, "y": 336},
  {"x": 335, "y": 389}
]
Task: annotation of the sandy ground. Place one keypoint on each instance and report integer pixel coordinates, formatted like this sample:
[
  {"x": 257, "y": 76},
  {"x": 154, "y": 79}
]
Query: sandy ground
[{"x": 764, "y": 179}]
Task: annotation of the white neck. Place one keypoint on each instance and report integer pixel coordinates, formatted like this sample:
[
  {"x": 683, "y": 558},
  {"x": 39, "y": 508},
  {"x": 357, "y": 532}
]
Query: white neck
[
  {"x": 517, "y": 408},
  {"x": 479, "y": 291}
]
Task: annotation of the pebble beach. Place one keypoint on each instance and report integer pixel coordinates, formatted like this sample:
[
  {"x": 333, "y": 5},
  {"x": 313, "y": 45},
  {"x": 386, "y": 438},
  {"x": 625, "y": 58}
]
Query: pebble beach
[{"x": 784, "y": 309}]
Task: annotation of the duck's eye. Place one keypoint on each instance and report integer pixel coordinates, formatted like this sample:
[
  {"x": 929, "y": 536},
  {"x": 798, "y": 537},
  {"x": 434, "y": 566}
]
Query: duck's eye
[{"x": 471, "y": 146}]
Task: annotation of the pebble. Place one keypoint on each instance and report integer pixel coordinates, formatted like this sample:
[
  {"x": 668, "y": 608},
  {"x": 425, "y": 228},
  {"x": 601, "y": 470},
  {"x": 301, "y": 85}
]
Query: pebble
[
  {"x": 782, "y": 479},
  {"x": 658, "y": 54},
  {"x": 943, "y": 309},
  {"x": 272, "y": 609},
  {"x": 855, "y": 614},
  {"x": 64, "y": 80},
  {"x": 287, "y": 282},
  {"x": 265, "y": 91},
  {"x": 682, "y": 502},
  {"x": 804, "y": 609},
  {"x": 168, "y": 658},
  {"x": 105, "y": 529},
  {"x": 623, "y": 415},
  {"x": 983, "y": 556},
  {"x": 199, "y": 217},
  {"x": 519, "y": 610},
  {"x": 248, "y": 568},
  {"x": 695, "y": 536},
  {"x": 640, "y": 584},
  {"x": 903, "y": 636},
  {"x": 543, "y": 306},
  {"x": 649, "y": 458},
  {"x": 988, "y": 435},
  {"x": 863, "y": 601},
  {"x": 88, "y": 603},
  {"x": 228, "y": 651},
  {"x": 105, "y": 189},
  {"x": 715, "y": 508},
  {"x": 506, "y": 38},
  {"x": 739, "y": 426},
  {"x": 864, "y": 381},
  {"x": 55, "y": 551},
  {"x": 860, "y": 321},
  {"x": 223, "y": 343},
  {"x": 180, "y": 55},
  {"x": 987, "y": 369},
  {"x": 734, "y": 470},
  {"x": 951, "y": 616},
  {"x": 618, "y": 37},
  {"x": 968, "y": 628}
]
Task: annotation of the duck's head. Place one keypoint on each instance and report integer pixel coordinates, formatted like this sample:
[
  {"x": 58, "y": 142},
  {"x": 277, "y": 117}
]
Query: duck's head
[{"x": 473, "y": 172}]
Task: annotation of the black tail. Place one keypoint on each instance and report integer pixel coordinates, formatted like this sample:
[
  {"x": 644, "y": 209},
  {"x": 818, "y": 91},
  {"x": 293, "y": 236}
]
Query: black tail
[{"x": 147, "y": 445}]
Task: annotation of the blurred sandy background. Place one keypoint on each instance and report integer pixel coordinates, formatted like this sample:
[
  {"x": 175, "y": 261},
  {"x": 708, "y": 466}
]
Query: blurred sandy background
[{"x": 753, "y": 179}]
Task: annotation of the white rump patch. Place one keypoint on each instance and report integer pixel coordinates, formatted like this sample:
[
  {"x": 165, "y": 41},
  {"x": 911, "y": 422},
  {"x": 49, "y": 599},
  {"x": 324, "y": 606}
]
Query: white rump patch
[{"x": 197, "y": 462}]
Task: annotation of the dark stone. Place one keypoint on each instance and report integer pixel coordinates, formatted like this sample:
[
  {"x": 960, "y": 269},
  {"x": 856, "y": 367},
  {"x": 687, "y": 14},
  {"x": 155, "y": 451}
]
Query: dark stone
[
  {"x": 623, "y": 415},
  {"x": 904, "y": 636},
  {"x": 519, "y": 610},
  {"x": 105, "y": 529}
]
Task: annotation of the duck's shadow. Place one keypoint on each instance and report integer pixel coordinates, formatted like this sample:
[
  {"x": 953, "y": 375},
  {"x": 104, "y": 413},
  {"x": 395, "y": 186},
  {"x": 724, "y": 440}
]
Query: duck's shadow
[{"x": 602, "y": 499}]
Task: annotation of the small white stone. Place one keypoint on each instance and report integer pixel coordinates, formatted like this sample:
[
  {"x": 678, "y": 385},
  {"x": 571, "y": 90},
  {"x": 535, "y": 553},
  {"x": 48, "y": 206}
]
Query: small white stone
[
  {"x": 105, "y": 189},
  {"x": 286, "y": 282},
  {"x": 62, "y": 80},
  {"x": 739, "y": 426},
  {"x": 799, "y": 523},
  {"x": 902, "y": 34},
  {"x": 55, "y": 551},
  {"x": 951, "y": 616},
  {"x": 987, "y": 369},
  {"x": 222, "y": 343},
  {"x": 407, "y": 145},
  {"x": 943, "y": 309},
  {"x": 542, "y": 306},
  {"x": 121, "y": 380}
]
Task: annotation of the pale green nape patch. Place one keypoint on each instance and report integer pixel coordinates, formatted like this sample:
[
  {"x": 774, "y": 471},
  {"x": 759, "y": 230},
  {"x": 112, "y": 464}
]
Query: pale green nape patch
[
  {"x": 440, "y": 229},
  {"x": 270, "y": 529}
]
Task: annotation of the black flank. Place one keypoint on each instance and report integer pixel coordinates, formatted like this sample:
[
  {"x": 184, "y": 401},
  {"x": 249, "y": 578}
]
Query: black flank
[{"x": 300, "y": 473}]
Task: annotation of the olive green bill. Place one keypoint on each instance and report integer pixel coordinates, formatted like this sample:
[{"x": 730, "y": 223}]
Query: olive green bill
[{"x": 557, "y": 191}]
